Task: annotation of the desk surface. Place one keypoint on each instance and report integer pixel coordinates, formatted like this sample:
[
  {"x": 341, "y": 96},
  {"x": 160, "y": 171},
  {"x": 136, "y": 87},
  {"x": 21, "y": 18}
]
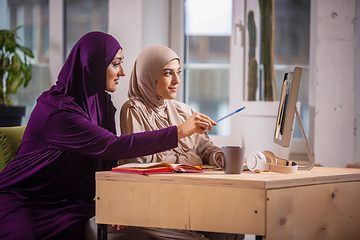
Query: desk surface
[
  {"x": 321, "y": 203},
  {"x": 247, "y": 179}
]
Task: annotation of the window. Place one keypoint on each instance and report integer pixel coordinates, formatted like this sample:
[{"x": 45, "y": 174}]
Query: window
[
  {"x": 83, "y": 16},
  {"x": 207, "y": 58},
  {"x": 291, "y": 48}
]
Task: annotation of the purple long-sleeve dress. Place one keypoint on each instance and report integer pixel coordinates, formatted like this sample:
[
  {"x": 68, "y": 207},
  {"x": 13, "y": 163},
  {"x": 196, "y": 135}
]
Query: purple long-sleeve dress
[{"x": 47, "y": 191}]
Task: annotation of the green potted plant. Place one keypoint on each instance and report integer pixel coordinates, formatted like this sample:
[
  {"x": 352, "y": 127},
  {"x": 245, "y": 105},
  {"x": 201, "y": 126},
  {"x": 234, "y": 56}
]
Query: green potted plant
[
  {"x": 267, "y": 48},
  {"x": 15, "y": 70},
  {"x": 267, "y": 52},
  {"x": 260, "y": 115}
]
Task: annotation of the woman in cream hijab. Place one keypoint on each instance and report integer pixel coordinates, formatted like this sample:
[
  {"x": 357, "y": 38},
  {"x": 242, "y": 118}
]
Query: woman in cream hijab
[{"x": 153, "y": 85}]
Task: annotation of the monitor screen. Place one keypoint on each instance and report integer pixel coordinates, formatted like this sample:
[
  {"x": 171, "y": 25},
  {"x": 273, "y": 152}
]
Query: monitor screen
[{"x": 287, "y": 105}]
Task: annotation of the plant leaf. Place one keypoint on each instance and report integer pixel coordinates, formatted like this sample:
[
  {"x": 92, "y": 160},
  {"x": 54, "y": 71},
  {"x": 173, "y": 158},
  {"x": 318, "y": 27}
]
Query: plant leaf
[
  {"x": 2, "y": 38},
  {"x": 17, "y": 28},
  {"x": 6, "y": 64},
  {"x": 27, "y": 70},
  {"x": 15, "y": 63},
  {"x": 27, "y": 51},
  {"x": 10, "y": 43},
  {"x": 13, "y": 84}
]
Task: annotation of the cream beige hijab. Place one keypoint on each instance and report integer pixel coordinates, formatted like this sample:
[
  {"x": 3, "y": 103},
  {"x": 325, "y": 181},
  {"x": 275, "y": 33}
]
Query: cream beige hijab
[
  {"x": 147, "y": 68},
  {"x": 154, "y": 112}
]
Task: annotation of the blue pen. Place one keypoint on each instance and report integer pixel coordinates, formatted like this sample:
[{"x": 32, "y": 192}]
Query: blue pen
[{"x": 230, "y": 114}]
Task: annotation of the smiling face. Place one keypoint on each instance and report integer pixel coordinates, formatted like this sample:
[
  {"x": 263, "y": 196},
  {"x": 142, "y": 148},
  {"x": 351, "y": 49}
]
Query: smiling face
[
  {"x": 168, "y": 81},
  {"x": 114, "y": 71}
]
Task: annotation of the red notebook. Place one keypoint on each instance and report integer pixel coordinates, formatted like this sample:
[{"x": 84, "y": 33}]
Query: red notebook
[{"x": 152, "y": 168}]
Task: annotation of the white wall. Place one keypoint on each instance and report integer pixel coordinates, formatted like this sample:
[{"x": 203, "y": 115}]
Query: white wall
[
  {"x": 156, "y": 23},
  {"x": 357, "y": 87},
  {"x": 333, "y": 73},
  {"x": 176, "y": 43},
  {"x": 136, "y": 24},
  {"x": 56, "y": 38},
  {"x": 125, "y": 24}
]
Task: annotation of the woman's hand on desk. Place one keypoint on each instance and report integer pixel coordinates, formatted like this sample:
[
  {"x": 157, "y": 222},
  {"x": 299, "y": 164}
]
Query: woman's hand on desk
[
  {"x": 119, "y": 227},
  {"x": 197, "y": 123}
]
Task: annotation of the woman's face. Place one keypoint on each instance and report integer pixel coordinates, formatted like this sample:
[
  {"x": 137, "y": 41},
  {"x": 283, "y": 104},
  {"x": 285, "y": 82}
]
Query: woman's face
[
  {"x": 114, "y": 71},
  {"x": 169, "y": 79}
]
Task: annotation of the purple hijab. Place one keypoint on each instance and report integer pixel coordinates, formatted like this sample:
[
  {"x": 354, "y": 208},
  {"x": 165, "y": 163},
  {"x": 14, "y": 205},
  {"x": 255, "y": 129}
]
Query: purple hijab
[
  {"x": 47, "y": 190},
  {"x": 79, "y": 78}
]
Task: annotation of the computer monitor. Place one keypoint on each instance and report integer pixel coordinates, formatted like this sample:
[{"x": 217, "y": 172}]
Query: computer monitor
[
  {"x": 287, "y": 105},
  {"x": 287, "y": 111}
]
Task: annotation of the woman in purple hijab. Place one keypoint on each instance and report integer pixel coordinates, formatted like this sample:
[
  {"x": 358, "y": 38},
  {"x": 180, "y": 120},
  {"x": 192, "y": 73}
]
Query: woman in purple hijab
[{"x": 47, "y": 190}]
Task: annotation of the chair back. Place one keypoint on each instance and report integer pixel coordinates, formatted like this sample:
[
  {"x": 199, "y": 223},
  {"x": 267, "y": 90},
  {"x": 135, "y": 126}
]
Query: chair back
[{"x": 10, "y": 139}]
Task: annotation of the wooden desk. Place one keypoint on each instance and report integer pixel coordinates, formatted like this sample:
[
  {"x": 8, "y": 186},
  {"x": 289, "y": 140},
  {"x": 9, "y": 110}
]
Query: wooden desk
[{"x": 323, "y": 203}]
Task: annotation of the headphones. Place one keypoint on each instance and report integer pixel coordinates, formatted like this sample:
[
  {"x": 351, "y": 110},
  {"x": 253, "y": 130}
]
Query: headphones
[{"x": 267, "y": 161}]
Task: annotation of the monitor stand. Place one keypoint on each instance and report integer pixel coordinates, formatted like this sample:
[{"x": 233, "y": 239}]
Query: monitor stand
[{"x": 308, "y": 149}]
